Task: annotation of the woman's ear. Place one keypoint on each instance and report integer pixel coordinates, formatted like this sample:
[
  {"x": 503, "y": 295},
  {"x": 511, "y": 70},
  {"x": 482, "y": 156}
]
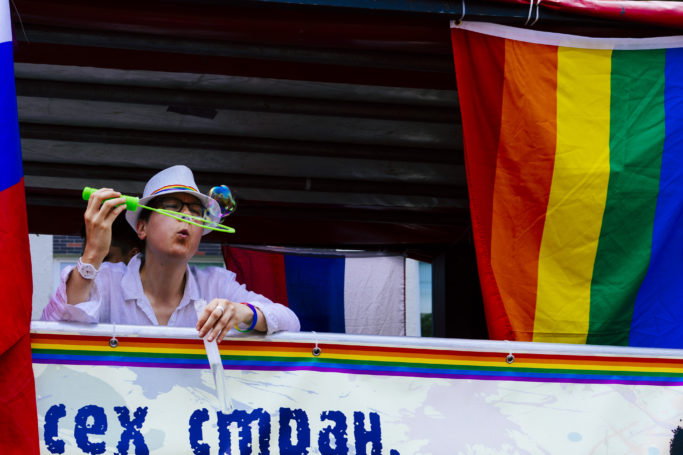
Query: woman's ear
[{"x": 141, "y": 229}]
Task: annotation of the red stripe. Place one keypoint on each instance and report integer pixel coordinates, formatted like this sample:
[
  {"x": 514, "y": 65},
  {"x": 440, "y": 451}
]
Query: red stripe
[
  {"x": 18, "y": 415},
  {"x": 479, "y": 69},
  {"x": 15, "y": 267},
  {"x": 260, "y": 271}
]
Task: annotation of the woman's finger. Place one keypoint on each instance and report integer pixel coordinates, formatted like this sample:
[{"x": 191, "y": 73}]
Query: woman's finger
[
  {"x": 208, "y": 324},
  {"x": 110, "y": 206},
  {"x": 93, "y": 200},
  {"x": 214, "y": 315},
  {"x": 98, "y": 197},
  {"x": 204, "y": 316},
  {"x": 224, "y": 331},
  {"x": 221, "y": 324}
]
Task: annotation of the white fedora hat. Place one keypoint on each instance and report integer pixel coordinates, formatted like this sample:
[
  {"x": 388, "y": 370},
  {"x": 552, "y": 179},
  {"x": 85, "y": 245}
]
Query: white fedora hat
[{"x": 175, "y": 179}]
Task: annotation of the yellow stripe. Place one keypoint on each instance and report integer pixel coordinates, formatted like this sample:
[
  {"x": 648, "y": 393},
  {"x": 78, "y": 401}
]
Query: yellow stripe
[{"x": 577, "y": 196}]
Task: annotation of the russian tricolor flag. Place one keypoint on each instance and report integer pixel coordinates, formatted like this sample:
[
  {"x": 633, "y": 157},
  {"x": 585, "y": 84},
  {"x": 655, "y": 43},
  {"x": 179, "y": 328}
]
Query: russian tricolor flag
[
  {"x": 329, "y": 291},
  {"x": 18, "y": 420}
]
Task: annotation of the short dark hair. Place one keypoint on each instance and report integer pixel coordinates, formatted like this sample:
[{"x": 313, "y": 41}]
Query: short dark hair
[
  {"x": 144, "y": 216},
  {"x": 123, "y": 236}
]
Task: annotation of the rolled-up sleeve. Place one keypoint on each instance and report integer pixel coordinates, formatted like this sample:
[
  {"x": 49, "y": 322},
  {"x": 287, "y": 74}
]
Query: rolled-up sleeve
[
  {"x": 58, "y": 310},
  {"x": 278, "y": 317}
]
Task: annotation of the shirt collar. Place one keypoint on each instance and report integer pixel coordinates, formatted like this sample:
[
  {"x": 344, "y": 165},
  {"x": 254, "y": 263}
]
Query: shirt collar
[
  {"x": 191, "y": 289},
  {"x": 132, "y": 285}
]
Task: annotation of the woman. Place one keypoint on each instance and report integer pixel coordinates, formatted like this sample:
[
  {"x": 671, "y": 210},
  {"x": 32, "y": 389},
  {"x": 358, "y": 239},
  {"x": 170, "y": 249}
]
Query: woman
[{"x": 157, "y": 286}]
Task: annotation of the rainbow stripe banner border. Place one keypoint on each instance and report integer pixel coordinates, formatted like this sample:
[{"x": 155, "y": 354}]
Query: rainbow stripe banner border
[{"x": 277, "y": 353}]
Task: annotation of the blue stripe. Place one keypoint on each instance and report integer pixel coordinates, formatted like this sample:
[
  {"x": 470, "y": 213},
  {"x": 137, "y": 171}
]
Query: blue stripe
[
  {"x": 11, "y": 170},
  {"x": 315, "y": 291},
  {"x": 658, "y": 311}
]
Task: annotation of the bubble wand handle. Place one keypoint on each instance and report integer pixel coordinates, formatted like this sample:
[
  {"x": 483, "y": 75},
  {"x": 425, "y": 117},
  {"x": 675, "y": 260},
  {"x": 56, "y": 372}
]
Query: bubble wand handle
[{"x": 132, "y": 202}]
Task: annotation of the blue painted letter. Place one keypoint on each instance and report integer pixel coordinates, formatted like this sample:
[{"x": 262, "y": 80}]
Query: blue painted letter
[
  {"x": 363, "y": 436},
  {"x": 82, "y": 428},
  {"x": 243, "y": 420},
  {"x": 197, "y": 418},
  {"x": 51, "y": 428},
  {"x": 338, "y": 432},
  {"x": 303, "y": 432},
  {"x": 131, "y": 430}
]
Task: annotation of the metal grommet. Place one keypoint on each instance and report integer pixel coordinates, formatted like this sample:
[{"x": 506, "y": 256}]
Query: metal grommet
[
  {"x": 316, "y": 351},
  {"x": 113, "y": 342},
  {"x": 510, "y": 358}
]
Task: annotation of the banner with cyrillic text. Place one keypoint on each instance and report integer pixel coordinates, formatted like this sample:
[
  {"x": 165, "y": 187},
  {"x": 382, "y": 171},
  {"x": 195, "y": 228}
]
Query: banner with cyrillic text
[{"x": 127, "y": 389}]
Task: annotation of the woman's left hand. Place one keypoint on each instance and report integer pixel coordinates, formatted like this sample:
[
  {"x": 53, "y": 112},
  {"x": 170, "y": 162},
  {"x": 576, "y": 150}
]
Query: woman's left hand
[{"x": 220, "y": 315}]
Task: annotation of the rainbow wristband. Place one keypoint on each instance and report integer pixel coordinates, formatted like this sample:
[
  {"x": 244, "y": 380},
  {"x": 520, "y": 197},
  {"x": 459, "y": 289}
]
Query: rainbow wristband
[{"x": 253, "y": 322}]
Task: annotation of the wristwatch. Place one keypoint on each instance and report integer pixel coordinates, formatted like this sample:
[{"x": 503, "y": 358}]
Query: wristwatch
[{"x": 87, "y": 271}]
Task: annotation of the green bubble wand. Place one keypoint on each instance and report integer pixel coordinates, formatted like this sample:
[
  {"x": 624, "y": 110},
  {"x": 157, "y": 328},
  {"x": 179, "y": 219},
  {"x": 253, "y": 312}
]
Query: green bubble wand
[{"x": 133, "y": 203}]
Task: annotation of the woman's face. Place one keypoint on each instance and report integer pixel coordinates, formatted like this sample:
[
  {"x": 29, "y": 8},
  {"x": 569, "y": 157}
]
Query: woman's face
[{"x": 169, "y": 238}]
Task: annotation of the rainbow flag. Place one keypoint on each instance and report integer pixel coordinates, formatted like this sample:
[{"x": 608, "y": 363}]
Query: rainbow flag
[{"x": 574, "y": 156}]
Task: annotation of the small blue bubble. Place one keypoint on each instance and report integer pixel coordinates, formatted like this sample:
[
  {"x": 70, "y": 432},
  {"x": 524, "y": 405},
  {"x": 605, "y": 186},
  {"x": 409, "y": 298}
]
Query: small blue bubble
[
  {"x": 653, "y": 451},
  {"x": 574, "y": 436}
]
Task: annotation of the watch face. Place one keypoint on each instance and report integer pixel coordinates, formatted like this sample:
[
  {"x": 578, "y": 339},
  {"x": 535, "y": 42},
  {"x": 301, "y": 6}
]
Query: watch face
[{"x": 87, "y": 271}]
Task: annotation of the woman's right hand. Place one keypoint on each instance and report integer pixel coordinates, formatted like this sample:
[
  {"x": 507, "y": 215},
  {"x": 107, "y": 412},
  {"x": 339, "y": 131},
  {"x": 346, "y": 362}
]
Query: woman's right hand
[{"x": 104, "y": 205}]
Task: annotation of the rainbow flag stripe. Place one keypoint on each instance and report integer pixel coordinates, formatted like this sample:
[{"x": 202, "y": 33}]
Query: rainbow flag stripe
[
  {"x": 358, "y": 359},
  {"x": 575, "y": 174},
  {"x": 172, "y": 188}
]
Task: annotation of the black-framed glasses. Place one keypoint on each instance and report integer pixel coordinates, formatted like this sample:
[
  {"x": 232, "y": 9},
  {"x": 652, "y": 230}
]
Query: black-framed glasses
[{"x": 176, "y": 205}]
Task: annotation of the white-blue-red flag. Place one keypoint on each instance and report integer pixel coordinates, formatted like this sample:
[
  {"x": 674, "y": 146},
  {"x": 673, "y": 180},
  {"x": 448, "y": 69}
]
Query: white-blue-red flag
[{"x": 18, "y": 421}]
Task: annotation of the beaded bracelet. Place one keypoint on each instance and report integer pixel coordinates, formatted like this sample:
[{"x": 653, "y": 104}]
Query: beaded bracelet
[{"x": 253, "y": 322}]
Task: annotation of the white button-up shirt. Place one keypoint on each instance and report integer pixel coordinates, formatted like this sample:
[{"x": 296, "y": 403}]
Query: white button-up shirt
[{"x": 117, "y": 296}]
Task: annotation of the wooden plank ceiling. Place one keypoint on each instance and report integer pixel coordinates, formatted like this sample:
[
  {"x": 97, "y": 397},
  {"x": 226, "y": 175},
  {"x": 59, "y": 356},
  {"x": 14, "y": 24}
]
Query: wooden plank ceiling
[{"x": 332, "y": 127}]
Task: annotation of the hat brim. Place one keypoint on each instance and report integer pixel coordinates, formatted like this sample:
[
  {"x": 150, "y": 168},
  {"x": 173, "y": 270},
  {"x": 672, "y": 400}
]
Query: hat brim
[{"x": 133, "y": 215}]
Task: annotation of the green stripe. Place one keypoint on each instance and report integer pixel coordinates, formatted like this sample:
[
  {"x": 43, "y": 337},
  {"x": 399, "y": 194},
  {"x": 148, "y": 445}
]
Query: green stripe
[{"x": 636, "y": 145}]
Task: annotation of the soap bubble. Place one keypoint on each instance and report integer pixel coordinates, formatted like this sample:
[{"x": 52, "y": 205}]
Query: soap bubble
[
  {"x": 226, "y": 202},
  {"x": 213, "y": 212}
]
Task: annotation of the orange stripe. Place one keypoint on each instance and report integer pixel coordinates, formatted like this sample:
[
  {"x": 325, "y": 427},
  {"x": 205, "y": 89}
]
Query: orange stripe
[{"x": 526, "y": 154}]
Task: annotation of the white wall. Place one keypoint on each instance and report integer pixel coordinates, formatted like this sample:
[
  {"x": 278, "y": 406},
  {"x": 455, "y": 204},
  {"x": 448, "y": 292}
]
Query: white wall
[
  {"x": 413, "y": 326},
  {"x": 41, "y": 263}
]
